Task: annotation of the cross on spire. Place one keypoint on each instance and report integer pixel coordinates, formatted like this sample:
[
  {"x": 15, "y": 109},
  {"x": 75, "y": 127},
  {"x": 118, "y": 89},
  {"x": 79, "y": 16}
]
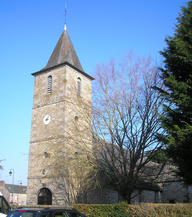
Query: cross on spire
[{"x": 65, "y": 16}]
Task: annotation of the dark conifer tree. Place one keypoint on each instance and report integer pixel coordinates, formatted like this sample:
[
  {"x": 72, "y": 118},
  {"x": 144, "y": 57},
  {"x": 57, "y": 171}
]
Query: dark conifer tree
[{"x": 177, "y": 77}]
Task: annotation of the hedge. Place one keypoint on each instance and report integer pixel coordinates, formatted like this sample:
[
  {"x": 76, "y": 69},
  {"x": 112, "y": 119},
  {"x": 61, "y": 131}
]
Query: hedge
[
  {"x": 108, "y": 210},
  {"x": 124, "y": 210}
]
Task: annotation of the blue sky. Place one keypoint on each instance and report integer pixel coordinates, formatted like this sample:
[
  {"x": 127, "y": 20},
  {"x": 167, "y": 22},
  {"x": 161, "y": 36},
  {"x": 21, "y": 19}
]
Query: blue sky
[{"x": 99, "y": 30}]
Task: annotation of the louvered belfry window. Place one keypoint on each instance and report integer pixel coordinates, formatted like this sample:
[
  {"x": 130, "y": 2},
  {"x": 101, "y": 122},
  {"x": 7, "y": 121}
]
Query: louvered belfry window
[
  {"x": 49, "y": 86},
  {"x": 79, "y": 86}
]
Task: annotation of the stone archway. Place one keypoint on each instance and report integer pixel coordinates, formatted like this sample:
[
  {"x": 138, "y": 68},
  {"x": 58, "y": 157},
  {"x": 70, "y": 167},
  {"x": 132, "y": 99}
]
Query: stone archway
[{"x": 44, "y": 197}]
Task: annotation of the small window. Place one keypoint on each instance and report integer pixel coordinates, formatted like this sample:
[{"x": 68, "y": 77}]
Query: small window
[
  {"x": 76, "y": 120},
  {"x": 79, "y": 86},
  {"x": 46, "y": 154},
  {"x": 156, "y": 197},
  {"x": 140, "y": 196},
  {"x": 49, "y": 86}
]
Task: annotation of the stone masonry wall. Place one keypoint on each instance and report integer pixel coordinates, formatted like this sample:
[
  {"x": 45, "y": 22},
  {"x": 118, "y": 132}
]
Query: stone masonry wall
[
  {"x": 176, "y": 192},
  {"x": 108, "y": 196},
  {"x": 47, "y": 140},
  {"x": 146, "y": 196}
]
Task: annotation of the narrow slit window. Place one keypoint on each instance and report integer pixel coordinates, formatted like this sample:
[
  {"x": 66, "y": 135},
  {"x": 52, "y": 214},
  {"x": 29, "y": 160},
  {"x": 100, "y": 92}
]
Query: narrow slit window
[
  {"x": 76, "y": 120},
  {"x": 79, "y": 86},
  {"x": 49, "y": 86}
]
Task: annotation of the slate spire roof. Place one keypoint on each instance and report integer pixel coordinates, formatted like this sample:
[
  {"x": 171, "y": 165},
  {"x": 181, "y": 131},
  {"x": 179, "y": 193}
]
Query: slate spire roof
[{"x": 64, "y": 52}]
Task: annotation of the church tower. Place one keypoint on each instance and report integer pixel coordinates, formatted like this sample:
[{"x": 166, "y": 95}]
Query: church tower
[{"x": 62, "y": 79}]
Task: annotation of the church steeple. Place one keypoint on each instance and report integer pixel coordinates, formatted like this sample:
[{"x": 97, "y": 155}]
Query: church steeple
[
  {"x": 57, "y": 87},
  {"x": 64, "y": 52}
]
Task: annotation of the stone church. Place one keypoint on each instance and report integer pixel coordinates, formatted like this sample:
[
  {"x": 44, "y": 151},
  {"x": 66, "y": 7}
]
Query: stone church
[{"x": 56, "y": 87}]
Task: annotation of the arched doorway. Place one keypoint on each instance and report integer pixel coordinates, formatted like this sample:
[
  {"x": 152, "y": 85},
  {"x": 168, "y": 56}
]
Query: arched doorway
[{"x": 44, "y": 197}]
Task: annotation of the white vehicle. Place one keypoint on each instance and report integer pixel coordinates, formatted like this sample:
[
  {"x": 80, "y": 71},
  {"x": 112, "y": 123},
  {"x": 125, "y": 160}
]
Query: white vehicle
[
  {"x": 2, "y": 215},
  {"x": 4, "y": 206}
]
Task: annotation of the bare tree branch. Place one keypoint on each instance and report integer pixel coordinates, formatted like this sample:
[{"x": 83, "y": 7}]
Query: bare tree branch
[{"x": 106, "y": 144}]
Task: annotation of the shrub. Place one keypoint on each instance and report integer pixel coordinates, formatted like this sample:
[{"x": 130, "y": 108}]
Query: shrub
[
  {"x": 124, "y": 210},
  {"x": 106, "y": 210},
  {"x": 168, "y": 210}
]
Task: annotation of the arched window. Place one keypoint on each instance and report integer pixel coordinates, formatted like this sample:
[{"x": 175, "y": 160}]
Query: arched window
[
  {"x": 49, "y": 85},
  {"x": 44, "y": 197},
  {"x": 79, "y": 86}
]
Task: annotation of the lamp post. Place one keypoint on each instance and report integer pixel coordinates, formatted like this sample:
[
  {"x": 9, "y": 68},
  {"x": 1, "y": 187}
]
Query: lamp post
[
  {"x": 19, "y": 183},
  {"x": 10, "y": 173}
]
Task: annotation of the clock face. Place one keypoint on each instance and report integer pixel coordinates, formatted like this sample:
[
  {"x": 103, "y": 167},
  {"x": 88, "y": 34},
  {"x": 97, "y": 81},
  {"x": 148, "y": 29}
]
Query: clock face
[{"x": 47, "y": 119}]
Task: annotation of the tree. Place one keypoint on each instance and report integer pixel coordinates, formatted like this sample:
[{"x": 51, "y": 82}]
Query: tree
[
  {"x": 1, "y": 167},
  {"x": 125, "y": 117},
  {"x": 160, "y": 156},
  {"x": 177, "y": 75},
  {"x": 108, "y": 143}
]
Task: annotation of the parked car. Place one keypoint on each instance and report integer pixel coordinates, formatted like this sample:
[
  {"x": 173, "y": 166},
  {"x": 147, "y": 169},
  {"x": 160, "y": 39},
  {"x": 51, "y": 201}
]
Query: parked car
[
  {"x": 45, "y": 212},
  {"x": 4, "y": 206}
]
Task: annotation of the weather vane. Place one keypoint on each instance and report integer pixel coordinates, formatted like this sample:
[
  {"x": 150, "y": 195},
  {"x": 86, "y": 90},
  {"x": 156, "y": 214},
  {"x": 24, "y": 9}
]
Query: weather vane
[{"x": 65, "y": 13}]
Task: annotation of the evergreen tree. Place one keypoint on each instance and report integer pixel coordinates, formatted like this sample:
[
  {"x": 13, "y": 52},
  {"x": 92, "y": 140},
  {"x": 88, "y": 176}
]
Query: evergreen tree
[
  {"x": 159, "y": 156},
  {"x": 177, "y": 78}
]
